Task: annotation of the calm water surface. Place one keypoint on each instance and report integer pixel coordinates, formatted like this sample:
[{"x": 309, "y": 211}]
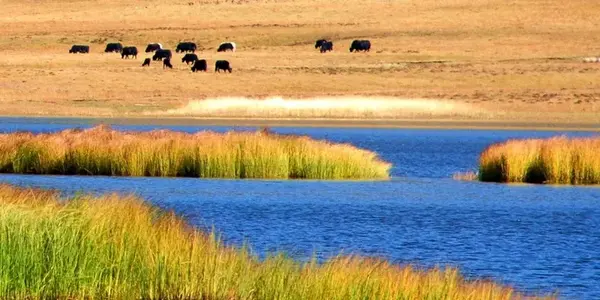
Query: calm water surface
[{"x": 537, "y": 238}]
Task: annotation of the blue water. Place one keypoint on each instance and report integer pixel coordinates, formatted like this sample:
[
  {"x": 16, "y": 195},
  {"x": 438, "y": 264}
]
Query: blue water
[{"x": 540, "y": 239}]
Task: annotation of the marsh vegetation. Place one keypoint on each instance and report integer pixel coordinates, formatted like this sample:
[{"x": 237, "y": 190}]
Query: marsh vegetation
[
  {"x": 122, "y": 248},
  {"x": 104, "y": 151},
  {"x": 558, "y": 160}
]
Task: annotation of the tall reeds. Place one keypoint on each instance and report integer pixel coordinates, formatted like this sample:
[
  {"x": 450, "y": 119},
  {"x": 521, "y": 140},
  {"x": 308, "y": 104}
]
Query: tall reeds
[
  {"x": 116, "y": 247},
  {"x": 557, "y": 160},
  {"x": 103, "y": 151}
]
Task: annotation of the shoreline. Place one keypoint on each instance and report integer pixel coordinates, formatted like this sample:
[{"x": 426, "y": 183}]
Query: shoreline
[{"x": 421, "y": 123}]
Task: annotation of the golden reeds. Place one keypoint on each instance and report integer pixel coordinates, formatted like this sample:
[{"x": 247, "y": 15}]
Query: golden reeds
[
  {"x": 103, "y": 151},
  {"x": 116, "y": 247},
  {"x": 558, "y": 160}
]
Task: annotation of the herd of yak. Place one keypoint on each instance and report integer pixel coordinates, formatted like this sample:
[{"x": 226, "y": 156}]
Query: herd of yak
[{"x": 165, "y": 55}]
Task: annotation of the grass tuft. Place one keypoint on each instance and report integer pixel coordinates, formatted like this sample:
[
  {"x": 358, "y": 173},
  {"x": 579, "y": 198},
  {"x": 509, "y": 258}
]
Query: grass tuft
[
  {"x": 103, "y": 151},
  {"x": 115, "y": 247},
  {"x": 558, "y": 160}
]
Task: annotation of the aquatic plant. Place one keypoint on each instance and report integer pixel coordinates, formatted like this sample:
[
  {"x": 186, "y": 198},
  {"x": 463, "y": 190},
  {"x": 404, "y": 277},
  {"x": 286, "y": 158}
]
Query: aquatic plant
[
  {"x": 557, "y": 160},
  {"x": 116, "y": 247},
  {"x": 103, "y": 151}
]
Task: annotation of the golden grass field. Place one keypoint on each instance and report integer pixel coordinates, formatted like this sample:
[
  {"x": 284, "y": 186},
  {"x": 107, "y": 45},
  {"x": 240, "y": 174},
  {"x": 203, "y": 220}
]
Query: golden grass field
[{"x": 493, "y": 59}]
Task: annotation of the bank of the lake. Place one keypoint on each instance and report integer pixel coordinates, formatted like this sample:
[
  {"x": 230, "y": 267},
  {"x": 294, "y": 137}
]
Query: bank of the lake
[{"x": 409, "y": 123}]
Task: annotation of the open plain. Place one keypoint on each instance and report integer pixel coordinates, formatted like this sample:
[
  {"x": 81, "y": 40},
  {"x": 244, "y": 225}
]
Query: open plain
[{"x": 498, "y": 61}]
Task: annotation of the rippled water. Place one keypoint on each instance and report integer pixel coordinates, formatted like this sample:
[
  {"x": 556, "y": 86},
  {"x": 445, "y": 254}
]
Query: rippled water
[{"x": 537, "y": 238}]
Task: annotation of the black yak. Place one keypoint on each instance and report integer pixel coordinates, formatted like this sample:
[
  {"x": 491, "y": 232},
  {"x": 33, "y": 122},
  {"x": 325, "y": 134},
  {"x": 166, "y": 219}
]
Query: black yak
[
  {"x": 319, "y": 43},
  {"x": 79, "y": 49},
  {"x": 227, "y": 46},
  {"x": 153, "y": 47},
  {"x": 113, "y": 47},
  {"x": 186, "y": 47},
  {"x": 167, "y": 63},
  {"x": 199, "y": 65},
  {"x": 222, "y": 65},
  {"x": 161, "y": 54},
  {"x": 360, "y": 45},
  {"x": 326, "y": 46},
  {"x": 189, "y": 58},
  {"x": 129, "y": 51}
]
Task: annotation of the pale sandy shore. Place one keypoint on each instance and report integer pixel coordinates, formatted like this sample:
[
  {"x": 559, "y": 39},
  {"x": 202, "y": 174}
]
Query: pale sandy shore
[{"x": 331, "y": 123}]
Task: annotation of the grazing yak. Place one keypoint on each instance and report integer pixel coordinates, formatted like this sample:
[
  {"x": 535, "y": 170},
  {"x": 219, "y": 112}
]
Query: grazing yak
[
  {"x": 153, "y": 47},
  {"x": 113, "y": 47},
  {"x": 161, "y": 54},
  {"x": 79, "y": 49},
  {"x": 129, "y": 51},
  {"x": 360, "y": 45},
  {"x": 326, "y": 46},
  {"x": 319, "y": 43},
  {"x": 222, "y": 65},
  {"x": 199, "y": 65},
  {"x": 146, "y": 62},
  {"x": 167, "y": 63},
  {"x": 227, "y": 46},
  {"x": 186, "y": 47},
  {"x": 189, "y": 58}
]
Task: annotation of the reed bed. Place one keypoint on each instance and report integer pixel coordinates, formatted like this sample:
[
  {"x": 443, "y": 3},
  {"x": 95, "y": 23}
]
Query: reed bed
[
  {"x": 116, "y": 247},
  {"x": 557, "y": 160},
  {"x": 103, "y": 151}
]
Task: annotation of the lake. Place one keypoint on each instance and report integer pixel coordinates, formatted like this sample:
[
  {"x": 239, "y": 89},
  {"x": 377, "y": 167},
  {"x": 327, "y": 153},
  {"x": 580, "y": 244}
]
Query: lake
[{"x": 536, "y": 238}]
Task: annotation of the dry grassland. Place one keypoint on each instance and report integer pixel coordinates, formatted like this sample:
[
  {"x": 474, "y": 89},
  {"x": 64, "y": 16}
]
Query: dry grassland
[{"x": 503, "y": 60}]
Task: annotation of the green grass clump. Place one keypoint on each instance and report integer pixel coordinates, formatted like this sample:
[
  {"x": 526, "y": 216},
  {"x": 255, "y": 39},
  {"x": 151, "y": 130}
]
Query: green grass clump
[
  {"x": 116, "y": 247},
  {"x": 558, "y": 160},
  {"x": 102, "y": 151}
]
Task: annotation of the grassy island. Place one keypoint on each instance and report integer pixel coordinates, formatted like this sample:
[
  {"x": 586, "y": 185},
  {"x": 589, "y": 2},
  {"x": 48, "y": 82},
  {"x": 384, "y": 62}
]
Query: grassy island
[
  {"x": 116, "y": 247},
  {"x": 103, "y": 151},
  {"x": 557, "y": 160}
]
